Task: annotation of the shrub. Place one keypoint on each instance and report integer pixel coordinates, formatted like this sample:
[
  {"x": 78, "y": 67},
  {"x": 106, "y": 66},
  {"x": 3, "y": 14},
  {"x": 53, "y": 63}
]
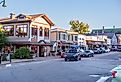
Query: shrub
[{"x": 22, "y": 53}]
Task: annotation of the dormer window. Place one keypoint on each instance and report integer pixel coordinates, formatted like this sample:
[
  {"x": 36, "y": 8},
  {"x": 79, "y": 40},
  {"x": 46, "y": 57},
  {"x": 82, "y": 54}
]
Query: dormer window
[{"x": 21, "y": 16}]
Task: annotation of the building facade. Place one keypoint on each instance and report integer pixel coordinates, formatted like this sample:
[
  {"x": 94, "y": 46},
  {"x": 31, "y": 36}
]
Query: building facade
[{"x": 32, "y": 31}]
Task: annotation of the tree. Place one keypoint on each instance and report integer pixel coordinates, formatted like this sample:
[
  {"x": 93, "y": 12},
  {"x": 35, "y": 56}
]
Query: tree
[
  {"x": 79, "y": 27},
  {"x": 3, "y": 39}
]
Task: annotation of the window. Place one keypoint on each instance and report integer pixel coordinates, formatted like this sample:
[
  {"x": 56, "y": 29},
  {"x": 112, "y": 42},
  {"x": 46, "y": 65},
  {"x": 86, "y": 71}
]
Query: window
[
  {"x": 40, "y": 31},
  {"x": 9, "y": 30},
  {"x": 76, "y": 38},
  {"x": 64, "y": 36},
  {"x": 68, "y": 37},
  {"x": 21, "y": 30},
  {"x": 34, "y": 31},
  {"x": 72, "y": 37},
  {"x": 46, "y": 32}
]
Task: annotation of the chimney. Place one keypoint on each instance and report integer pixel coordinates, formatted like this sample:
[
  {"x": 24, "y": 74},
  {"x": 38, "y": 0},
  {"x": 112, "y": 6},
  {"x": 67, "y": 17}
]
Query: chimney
[
  {"x": 103, "y": 30},
  {"x": 12, "y": 15}
]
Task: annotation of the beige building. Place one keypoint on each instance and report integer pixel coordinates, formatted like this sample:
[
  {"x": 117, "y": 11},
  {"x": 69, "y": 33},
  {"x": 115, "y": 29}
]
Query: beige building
[
  {"x": 94, "y": 41},
  {"x": 63, "y": 38},
  {"x": 32, "y": 31}
]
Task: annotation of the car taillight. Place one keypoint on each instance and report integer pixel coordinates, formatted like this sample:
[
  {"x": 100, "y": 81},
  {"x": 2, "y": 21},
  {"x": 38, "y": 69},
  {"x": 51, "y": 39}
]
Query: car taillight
[{"x": 114, "y": 74}]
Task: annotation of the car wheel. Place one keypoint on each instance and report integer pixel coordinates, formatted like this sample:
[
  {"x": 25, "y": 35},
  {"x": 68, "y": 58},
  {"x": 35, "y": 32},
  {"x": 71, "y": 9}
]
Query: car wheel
[
  {"x": 77, "y": 59},
  {"x": 66, "y": 59}
]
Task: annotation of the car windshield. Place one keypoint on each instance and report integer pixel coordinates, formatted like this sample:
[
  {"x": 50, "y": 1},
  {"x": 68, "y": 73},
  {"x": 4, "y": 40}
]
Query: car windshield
[
  {"x": 87, "y": 51},
  {"x": 72, "y": 51}
]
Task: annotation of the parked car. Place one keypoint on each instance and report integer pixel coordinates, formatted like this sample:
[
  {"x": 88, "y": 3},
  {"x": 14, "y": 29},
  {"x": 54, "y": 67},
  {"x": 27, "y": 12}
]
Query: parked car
[
  {"x": 116, "y": 74},
  {"x": 107, "y": 50},
  {"x": 88, "y": 53},
  {"x": 91, "y": 51},
  {"x": 119, "y": 49},
  {"x": 97, "y": 51},
  {"x": 102, "y": 50},
  {"x": 81, "y": 51},
  {"x": 114, "y": 49},
  {"x": 72, "y": 54}
]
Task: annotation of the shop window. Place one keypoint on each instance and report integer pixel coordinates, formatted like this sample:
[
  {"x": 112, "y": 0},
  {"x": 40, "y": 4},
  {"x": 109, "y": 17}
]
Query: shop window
[
  {"x": 9, "y": 30},
  {"x": 21, "y": 30}
]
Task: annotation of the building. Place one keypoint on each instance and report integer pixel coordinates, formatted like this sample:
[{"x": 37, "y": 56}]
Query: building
[
  {"x": 59, "y": 39},
  {"x": 63, "y": 38},
  {"x": 96, "y": 40},
  {"x": 32, "y": 31},
  {"x": 110, "y": 30},
  {"x": 82, "y": 41}
]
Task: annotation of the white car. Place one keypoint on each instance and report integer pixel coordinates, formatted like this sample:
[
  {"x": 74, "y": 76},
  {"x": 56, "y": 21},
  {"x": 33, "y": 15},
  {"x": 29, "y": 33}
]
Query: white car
[{"x": 107, "y": 50}]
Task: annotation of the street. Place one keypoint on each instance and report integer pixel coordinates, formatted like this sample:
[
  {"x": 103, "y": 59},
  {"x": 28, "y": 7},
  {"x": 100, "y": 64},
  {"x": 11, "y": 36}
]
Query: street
[{"x": 57, "y": 70}]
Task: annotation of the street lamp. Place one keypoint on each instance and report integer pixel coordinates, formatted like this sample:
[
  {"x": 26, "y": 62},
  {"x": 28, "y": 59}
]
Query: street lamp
[{"x": 3, "y": 3}]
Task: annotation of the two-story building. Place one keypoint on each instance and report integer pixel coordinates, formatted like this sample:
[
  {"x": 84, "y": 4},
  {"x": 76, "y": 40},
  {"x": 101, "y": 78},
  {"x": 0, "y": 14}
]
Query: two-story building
[
  {"x": 32, "y": 31},
  {"x": 82, "y": 41},
  {"x": 62, "y": 38},
  {"x": 94, "y": 40}
]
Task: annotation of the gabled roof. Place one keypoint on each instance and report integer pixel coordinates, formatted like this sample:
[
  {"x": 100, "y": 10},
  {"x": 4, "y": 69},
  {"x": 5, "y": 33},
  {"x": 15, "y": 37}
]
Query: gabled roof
[
  {"x": 58, "y": 29},
  {"x": 28, "y": 18},
  {"x": 71, "y": 32}
]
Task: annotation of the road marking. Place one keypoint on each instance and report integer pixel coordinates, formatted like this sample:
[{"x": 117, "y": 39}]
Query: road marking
[
  {"x": 103, "y": 79},
  {"x": 94, "y": 75},
  {"x": 8, "y": 65}
]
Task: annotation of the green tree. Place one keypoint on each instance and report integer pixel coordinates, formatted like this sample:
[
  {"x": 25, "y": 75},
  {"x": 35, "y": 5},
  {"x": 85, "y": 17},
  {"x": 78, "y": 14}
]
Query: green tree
[
  {"x": 3, "y": 39},
  {"x": 80, "y": 27}
]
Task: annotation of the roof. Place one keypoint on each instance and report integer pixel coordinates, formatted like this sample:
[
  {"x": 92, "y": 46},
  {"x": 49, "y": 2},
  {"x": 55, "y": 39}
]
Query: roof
[
  {"x": 58, "y": 29},
  {"x": 109, "y": 35},
  {"x": 112, "y": 30},
  {"x": 28, "y": 18},
  {"x": 71, "y": 32}
]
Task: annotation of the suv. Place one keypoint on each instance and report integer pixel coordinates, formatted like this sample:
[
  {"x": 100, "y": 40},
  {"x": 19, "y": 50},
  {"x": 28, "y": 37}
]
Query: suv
[{"x": 72, "y": 54}]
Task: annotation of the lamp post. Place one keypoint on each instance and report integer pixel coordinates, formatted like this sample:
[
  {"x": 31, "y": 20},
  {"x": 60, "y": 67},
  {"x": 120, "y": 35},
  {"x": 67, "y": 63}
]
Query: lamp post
[{"x": 3, "y": 3}]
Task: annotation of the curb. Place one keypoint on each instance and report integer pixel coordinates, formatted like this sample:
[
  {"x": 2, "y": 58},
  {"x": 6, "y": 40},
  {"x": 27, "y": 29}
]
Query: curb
[{"x": 28, "y": 61}]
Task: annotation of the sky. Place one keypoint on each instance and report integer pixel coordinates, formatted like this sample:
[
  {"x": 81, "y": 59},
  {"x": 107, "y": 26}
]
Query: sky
[{"x": 96, "y": 13}]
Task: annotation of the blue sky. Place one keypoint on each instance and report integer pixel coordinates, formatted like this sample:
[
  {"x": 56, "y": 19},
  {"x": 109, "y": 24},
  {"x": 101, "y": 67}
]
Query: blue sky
[{"x": 96, "y": 13}]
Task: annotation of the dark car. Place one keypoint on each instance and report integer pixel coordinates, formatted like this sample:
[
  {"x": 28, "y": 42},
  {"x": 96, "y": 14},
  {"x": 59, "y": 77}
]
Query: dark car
[
  {"x": 72, "y": 54},
  {"x": 88, "y": 53}
]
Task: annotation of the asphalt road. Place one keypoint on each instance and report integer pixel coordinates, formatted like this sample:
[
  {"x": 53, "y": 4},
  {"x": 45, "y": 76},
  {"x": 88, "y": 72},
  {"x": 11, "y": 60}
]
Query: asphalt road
[{"x": 57, "y": 70}]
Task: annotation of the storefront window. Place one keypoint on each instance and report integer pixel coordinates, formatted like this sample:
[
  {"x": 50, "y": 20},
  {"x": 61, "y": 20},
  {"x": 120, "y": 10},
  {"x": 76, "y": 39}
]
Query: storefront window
[
  {"x": 9, "y": 30},
  {"x": 21, "y": 30}
]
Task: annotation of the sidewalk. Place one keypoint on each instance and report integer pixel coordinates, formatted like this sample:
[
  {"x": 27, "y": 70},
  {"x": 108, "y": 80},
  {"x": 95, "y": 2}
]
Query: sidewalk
[{"x": 29, "y": 60}]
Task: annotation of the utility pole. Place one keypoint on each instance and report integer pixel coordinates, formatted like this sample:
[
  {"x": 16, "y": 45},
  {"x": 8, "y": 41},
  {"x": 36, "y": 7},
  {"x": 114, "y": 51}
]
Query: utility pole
[{"x": 3, "y": 3}]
